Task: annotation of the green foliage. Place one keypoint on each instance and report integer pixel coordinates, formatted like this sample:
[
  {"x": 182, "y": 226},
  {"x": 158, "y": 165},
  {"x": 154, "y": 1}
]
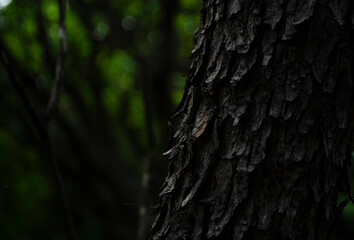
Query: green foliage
[
  {"x": 186, "y": 24},
  {"x": 26, "y": 192},
  {"x": 112, "y": 49},
  {"x": 178, "y": 83}
]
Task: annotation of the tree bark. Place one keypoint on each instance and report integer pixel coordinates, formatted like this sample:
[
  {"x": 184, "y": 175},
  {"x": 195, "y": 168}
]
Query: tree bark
[{"x": 266, "y": 125}]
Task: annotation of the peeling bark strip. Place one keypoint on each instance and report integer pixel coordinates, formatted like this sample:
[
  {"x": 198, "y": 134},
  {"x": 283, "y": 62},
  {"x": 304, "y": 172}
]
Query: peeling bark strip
[{"x": 267, "y": 118}]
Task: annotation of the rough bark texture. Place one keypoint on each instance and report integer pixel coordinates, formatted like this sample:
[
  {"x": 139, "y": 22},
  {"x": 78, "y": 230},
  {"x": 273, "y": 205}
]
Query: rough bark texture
[{"x": 266, "y": 123}]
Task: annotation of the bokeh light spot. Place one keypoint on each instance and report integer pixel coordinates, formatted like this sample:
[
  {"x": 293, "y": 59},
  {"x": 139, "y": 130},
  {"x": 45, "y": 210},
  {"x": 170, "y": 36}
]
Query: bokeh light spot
[
  {"x": 4, "y": 3},
  {"x": 101, "y": 31},
  {"x": 129, "y": 23}
]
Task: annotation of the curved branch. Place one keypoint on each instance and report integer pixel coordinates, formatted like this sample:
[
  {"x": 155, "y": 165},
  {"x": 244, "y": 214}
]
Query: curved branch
[{"x": 52, "y": 106}]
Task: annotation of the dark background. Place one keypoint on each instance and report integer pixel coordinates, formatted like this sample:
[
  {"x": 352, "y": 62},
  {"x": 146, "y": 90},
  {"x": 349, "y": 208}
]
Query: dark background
[{"x": 123, "y": 77}]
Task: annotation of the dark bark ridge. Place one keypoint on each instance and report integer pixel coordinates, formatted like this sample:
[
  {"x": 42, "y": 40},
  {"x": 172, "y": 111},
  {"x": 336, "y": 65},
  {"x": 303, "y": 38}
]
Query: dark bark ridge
[{"x": 266, "y": 123}]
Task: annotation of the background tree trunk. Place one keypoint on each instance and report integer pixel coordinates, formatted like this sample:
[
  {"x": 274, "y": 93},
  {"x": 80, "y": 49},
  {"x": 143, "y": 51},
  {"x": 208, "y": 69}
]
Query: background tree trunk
[{"x": 267, "y": 123}]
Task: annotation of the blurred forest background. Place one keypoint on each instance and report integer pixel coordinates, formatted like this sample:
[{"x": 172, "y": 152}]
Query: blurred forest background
[{"x": 123, "y": 76}]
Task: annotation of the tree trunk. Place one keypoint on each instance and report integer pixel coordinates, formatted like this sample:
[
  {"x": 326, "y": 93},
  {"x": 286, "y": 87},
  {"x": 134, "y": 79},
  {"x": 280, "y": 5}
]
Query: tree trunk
[{"x": 266, "y": 123}]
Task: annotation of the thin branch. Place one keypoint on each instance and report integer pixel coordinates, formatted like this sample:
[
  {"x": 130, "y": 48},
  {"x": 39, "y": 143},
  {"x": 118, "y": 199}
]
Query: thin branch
[
  {"x": 145, "y": 183},
  {"x": 157, "y": 104},
  {"x": 51, "y": 109},
  {"x": 43, "y": 133},
  {"x": 52, "y": 106}
]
